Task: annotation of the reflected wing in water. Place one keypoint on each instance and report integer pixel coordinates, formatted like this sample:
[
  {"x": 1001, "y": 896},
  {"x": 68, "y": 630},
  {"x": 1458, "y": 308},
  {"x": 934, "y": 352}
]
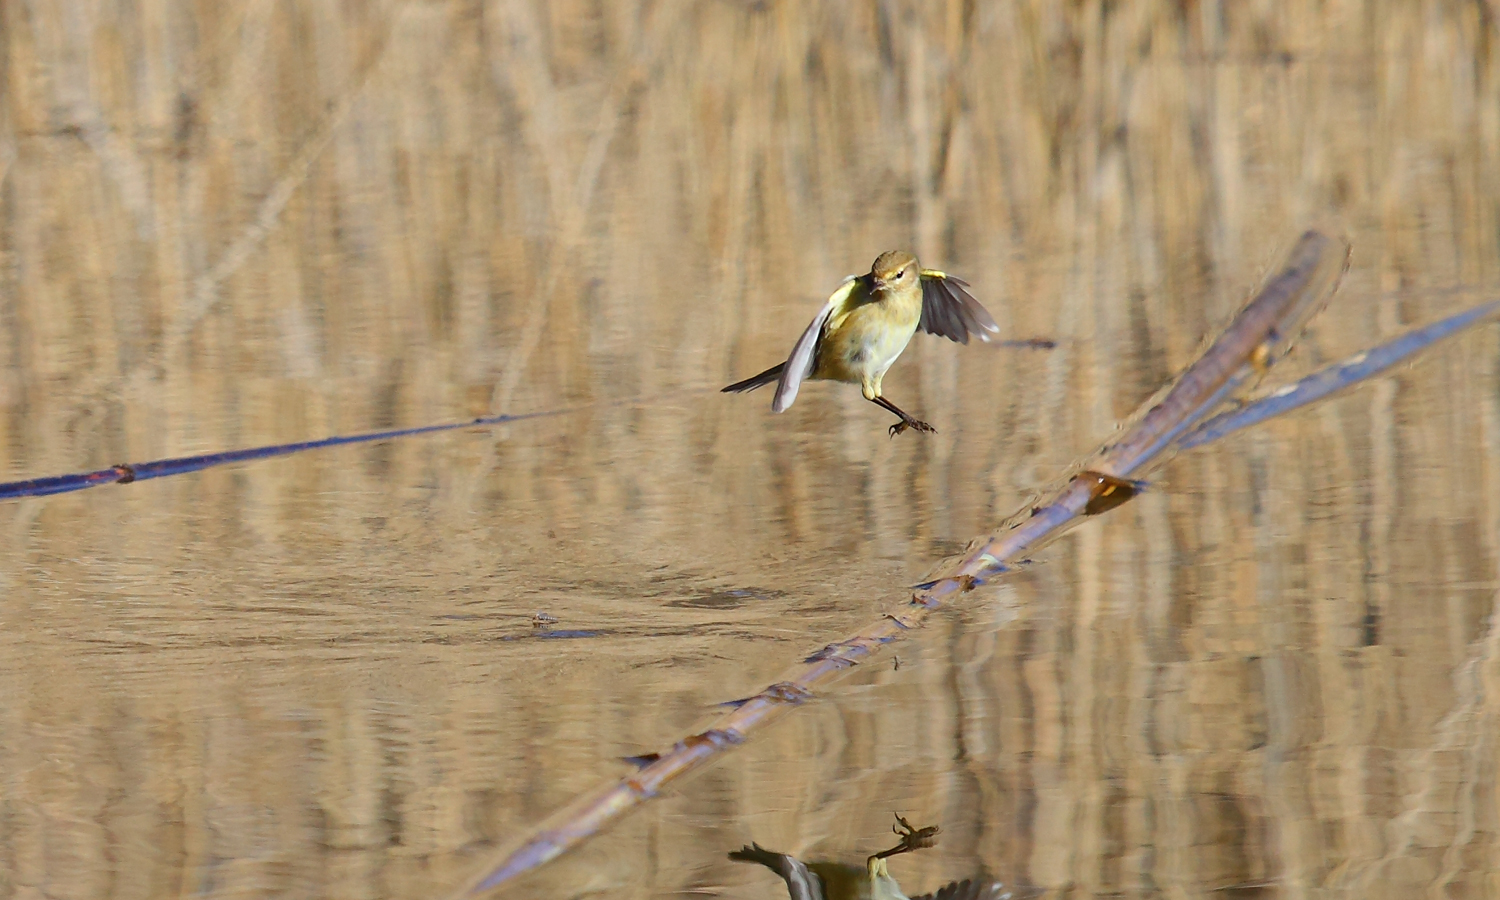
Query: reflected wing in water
[
  {"x": 801, "y": 883},
  {"x": 968, "y": 889}
]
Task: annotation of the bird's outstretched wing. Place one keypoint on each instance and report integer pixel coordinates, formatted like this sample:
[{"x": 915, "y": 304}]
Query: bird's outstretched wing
[
  {"x": 801, "y": 883},
  {"x": 800, "y": 364},
  {"x": 950, "y": 311},
  {"x": 968, "y": 889}
]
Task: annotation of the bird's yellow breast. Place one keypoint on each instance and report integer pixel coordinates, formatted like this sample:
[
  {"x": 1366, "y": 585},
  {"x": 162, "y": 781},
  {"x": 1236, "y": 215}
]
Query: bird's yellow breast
[{"x": 863, "y": 339}]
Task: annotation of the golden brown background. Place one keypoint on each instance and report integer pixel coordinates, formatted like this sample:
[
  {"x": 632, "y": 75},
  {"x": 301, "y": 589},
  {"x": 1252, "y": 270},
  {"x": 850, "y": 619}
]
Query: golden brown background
[{"x": 231, "y": 223}]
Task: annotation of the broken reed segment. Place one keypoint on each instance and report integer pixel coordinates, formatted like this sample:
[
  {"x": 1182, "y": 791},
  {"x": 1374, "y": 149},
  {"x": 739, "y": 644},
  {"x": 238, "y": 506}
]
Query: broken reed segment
[
  {"x": 1255, "y": 340},
  {"x": 1329, "y": 380},
  {"x": 126, "y": 473}
]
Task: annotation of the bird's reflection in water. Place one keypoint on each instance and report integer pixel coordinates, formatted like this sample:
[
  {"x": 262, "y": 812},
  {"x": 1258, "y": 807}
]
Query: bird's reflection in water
[{"x": 841, "y": 881}]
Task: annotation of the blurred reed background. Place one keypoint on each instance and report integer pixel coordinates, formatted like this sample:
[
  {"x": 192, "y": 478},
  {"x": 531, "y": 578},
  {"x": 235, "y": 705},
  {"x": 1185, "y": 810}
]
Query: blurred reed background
[{"x": 227, "y": 224}]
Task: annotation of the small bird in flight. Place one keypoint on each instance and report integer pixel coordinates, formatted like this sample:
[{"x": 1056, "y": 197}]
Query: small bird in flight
[{"x": 866, "y": 324}]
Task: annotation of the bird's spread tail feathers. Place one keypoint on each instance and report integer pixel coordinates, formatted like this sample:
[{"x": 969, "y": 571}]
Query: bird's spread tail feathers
[{"x": 769, "y": 376}]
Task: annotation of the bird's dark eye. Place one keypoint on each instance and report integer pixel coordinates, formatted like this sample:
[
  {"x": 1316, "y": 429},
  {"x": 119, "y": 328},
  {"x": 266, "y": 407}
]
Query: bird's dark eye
[{"x": 900, "y": 272}]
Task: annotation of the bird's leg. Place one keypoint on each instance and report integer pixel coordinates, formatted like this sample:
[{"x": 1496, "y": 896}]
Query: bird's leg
[
  {"x": 911, "y": 838},
  {"x": 906, "y": 420}
]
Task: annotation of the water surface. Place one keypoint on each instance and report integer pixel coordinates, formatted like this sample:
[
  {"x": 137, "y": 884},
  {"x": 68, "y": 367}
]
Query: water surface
[{"x": 223, "y": 225}]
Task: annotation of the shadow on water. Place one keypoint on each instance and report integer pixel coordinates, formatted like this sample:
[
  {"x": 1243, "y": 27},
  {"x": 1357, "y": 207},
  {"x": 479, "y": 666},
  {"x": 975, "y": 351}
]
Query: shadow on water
[{"x": 242, "y": 225}]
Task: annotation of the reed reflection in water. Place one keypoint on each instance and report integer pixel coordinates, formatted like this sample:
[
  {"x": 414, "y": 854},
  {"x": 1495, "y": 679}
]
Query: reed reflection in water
[{"x": 223, "y": 225}]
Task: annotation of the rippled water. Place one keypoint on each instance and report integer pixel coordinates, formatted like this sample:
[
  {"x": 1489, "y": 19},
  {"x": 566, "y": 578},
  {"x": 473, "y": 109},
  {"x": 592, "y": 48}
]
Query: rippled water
[{"x": 225, "y": 225}]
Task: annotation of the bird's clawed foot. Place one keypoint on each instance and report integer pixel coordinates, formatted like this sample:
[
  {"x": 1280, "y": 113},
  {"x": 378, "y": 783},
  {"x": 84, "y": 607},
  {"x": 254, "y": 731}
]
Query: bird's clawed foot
[
  {"x": 911, "y": 838},
  {"x": 906, "y": 420},
  {"x": 914, "y": 424}
]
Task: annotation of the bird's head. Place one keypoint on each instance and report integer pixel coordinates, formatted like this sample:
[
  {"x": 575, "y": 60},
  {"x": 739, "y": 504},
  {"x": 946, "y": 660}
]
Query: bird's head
[{"x": 894, "y": 269}]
